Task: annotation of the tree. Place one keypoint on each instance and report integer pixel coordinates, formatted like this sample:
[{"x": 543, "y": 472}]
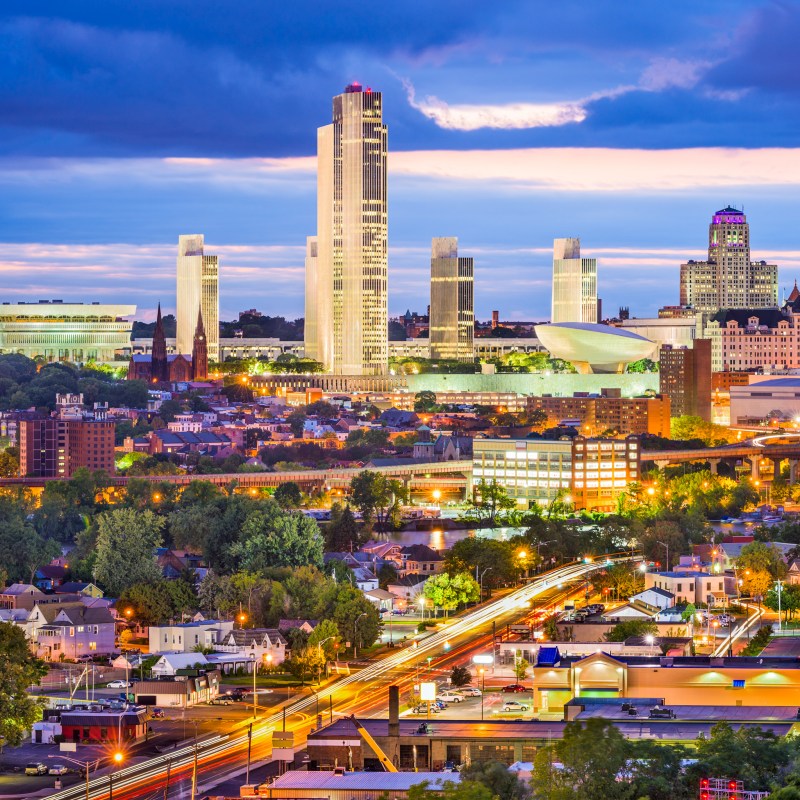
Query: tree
[
  {"x": 348, "y": 607},
  {"x": 759, "y": 556},
  {"x": 387, "y": 575},
  {"x": 631, "y": 627},
  {"x": 490, "y": 558},
  {"x": 521, "y": 667},
  {"x": 126, "y": 545},
  {"x": 297, "y": 421},
  {"x": 449, "y": 592},
  {"x": 22, "y": 549},
  {"x": 271, "y": 537},
  {"x": 341, "y": 533},
  {"x": 463, "y": 790},
  {"x": 194, "y": 526},
  {"x": 377, "y": 497},
  {"x": 460, "y": 676},
  {"x": 19, "y": 669},
  {"x": 789, "y": 599},
  {"x": 288, "y": 495},
  {"x": 424, "y": 401},
  {"x": 491, "y": 498},
  {"x": 757, "y": 582},
  {"x": 592, "y": 755},
  {"x": 503, "y": 784},
  {"x": 9, "y": 465}
]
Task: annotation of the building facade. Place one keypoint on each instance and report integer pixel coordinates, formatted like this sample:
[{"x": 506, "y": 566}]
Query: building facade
[
  {"x": 310, "y": 330},
  {"x": 76, "y": 332},
  {"x": 685, "y": 377},
  {"x": 602, "y": 470},
  {"x": 350, "y": 295},
  {"x": 197, "y": 291},
  {"x": 574, "y": 283},
  {"x": 728, "y": 279},
  {"x": 594, "y": 415},
  {"x": 55, "y": 448},
  {"x": 452, "y": 316}
]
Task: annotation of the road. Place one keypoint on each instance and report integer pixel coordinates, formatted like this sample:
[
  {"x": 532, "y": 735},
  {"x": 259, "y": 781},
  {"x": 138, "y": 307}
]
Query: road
[
  {"x": 752, "y": 621},
  {"x": 361, "y": 692}
]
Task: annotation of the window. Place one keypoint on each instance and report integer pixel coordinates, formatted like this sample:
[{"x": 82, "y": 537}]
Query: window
[{"x": 72, "y": 631}]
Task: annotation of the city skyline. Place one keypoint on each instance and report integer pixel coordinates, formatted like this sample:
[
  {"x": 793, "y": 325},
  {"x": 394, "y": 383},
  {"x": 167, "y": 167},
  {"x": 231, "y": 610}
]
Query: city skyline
[{"x": 505, "y": 135}]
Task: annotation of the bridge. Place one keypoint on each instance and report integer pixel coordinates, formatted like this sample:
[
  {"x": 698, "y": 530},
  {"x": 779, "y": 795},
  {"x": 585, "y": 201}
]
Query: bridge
[
  {"x": 758, "y": 451},
  {"x": 448, "y": 475}
]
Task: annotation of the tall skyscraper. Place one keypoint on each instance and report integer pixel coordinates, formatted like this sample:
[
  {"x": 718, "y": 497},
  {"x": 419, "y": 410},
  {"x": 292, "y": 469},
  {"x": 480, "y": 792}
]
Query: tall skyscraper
[
  {"x": 311, "y": 333},
  {"x": 729, "y": 279},
  {"x": 349, "y": 302},
  {"x": 198, "y": 290},
  {"x": 452, "y": 316},
  {"x": 574, "y": 283}
]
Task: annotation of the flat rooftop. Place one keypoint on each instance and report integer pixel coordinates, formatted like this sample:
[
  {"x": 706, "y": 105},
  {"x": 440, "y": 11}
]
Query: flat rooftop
[
  {"x": 363, "y": 781},
  {"x": 613, "y": 710}
]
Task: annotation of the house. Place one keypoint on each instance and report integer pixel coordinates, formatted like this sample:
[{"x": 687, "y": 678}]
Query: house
[
  {"x": 170, "y": 664},
  {"x": 306, "y": 625},
  {"x": 793, "y": 573},
  {"x": 49, "y": 577},
  {"x": 267, "y": 646},
  {"x": 655, "y": 597},
  {"x": 181, "y": 693},
  {"x": 395, "y": 418},
  {"x": 22, "y": 595},
  {"x": 725, "y": 554},
  {"x": 70, "y": 630},
  {"x": 693, "y": 587},
  {"x": 186, "y": 636},
  {"x": 365, "y": 579},
  {"x": 107, "y": 725},
  {"x": 407, "y": 590},
  {"x": 419, "y": 559},
  {"x": 79, "y": 587}
]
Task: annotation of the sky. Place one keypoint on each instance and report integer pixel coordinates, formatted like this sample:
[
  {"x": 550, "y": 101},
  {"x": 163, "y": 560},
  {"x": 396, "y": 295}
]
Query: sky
[{"x": 123, "y": 125}]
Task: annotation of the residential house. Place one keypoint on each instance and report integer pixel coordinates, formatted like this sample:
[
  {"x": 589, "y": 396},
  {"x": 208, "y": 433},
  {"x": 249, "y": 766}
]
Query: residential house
[
  {"x": 185, "y": 637},
  {"x": 306, "y": 625},
  {"x": 693, "y": 587},
  {"x": 182, "y": 692},
  {"x": 725, "y": 554},
  {"x": 79, "y": 587},
  {"x": 655, "y": 597},
  {"x": 22, "y": 595},
  {"x": 170, "y": 664},
  {"x": 407, "y": 590},
  {"x": 70, "y": 630},
  {"x": 793, "y": 573},
  {"x": 49, "y": 577},
  {"x": 267, "y": 646},
  {"x": 419, "y": 559}
]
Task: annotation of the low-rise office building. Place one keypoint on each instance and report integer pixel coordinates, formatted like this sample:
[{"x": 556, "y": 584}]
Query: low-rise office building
[{"x": 54, "y": 448}]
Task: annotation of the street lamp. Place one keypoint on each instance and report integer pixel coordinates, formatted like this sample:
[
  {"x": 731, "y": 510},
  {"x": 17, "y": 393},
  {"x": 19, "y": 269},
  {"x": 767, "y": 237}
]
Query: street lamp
[
  {"x": 481, "y": 581},
  {"x": 666, "y": 547},
  {"x": 319, "y": 651},
  {"x": 118, "y": 757},
  {"x": 421, "y": 602},
  {"x": 482, "y": 672},
  {"x": 355, "y": 634},
  {"x": 437, "y": 496},
  {"x": 84, "y": 764}
]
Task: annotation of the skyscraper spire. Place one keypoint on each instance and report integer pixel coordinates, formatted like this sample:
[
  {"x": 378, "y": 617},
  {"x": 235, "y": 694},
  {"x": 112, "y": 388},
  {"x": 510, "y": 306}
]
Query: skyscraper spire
[
  {"x": 200, "y": 350},
  {"x": 160, "y": 367}
]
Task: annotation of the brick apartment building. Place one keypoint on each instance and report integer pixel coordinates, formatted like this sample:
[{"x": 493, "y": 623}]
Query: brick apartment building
[
  {"x": 608, "y": 412},
  {"x": 56, "y": 448},
  {"x": 685, "y": 377}
]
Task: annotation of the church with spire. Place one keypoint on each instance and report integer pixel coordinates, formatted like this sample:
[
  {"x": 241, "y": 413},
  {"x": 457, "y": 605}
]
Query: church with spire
[{"x": 160, "y": 367}]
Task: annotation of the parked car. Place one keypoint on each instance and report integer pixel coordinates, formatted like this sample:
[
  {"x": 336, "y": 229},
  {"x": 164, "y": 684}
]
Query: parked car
[
  {"x": 157, "y": 713},
  {"x": 239, "y": 691},
  {"x": 515, "y": 687},
  {"x": 468, "y": 691},
  {"x": 119, "y": 684},
  {"x": 220, "y": 701},
  {"x": 424, "y": 709},
  {"x": 58, "y": 769},
  {"x": 36, "y": 768},
  {"x": 451, "y": 697},
  {"x": 513, "y": 705}
]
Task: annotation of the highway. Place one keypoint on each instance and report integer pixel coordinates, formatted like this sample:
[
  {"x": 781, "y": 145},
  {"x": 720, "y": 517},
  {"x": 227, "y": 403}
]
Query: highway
[
  {"x": 752, "y": 621},
  {"x": 363, "y": 690}
]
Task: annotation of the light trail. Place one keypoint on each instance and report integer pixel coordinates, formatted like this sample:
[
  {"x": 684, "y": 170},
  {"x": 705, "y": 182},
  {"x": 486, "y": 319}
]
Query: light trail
[{"x": 736, "y": 633}]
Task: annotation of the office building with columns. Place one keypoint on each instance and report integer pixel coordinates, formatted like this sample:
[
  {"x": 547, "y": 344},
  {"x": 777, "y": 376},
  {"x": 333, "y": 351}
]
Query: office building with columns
[
  {"x": 728, "y": 278},
  {"x": 197, "y": 291},
  {"x": 348, "y": 297},
  {"x": 574, "y": 283},
  {"x": 452, "y": 315}
]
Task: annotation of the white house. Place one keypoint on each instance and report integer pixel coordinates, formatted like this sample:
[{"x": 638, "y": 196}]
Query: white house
[
  {"x": 693, "y": 587},
  {"x": 660, "y": 598},
  {"x": 186, "y": 636},
  {"x": 366, "y": 580},
  {"x": 266, "y": 645},
  {"x": 169, "y": 664}
]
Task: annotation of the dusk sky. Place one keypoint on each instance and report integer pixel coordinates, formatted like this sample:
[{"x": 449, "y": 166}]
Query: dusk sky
[{"x": 125, "y": 124}]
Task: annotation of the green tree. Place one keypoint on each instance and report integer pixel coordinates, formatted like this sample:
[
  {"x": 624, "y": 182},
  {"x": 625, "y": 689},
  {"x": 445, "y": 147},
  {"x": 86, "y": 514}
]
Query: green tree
[
  {"x": 126, "y": 544},
  {"x": 592, "y": 755},
  {"x": 631, "y": 627},
  {"x": 148, "y": 603},
  {"x": 503, "y": 784},
  {"x": 341, "y": 533},
  {"x": 377, "y": 497},
  {"x": 356, "y": 617},
  {"x": 450, "y": 591},
  {"x": 463, "y": 790},
  {"x": 789, "y": 599},
  {"x": 271, "y": 537},
  {"x": 288, "y": 495},
  {"x": 491, "y": 498},
  {"x": 490, "y": 558},
  {"x": 756, "y": 583},
  {"x": 759, "y": 556},
  {"x": 194, "y": 526},
  {"x": 22, "y": 550},
  {"x": 9, "y": 465},
  {"x": 460, "y": 676},
  {"x": 296, "y": 420},
  {"x": 387, "y": 575},
  {"x": 19, "y": 669},
  {"x": 424, "y": 401},
  {"x": 521, "y": 667}
]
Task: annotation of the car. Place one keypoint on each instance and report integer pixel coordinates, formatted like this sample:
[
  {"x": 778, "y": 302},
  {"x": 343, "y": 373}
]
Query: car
[
  {"x": 513, "y": 705},
  {"x": 157, "y": 713},
  {"x": 220, "y": 701},
  {"x": 239, "y": 691},
  {"x": 451, "y": 697},
  {"x": 469, "y": 691},
  {"x": 424, "y": 709},
  {"x": 36, "y": 768},
  {"x": 119, "y": 685},
  {"x": 515, "y": 687},
  {"x": 58, "y": 769}
]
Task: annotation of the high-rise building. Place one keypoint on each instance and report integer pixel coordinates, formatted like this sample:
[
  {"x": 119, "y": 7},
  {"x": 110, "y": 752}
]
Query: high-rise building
[
  {"x": 311, "y": 333},
  {"x": 685, "y": 377},
  {"x": 54, "y": 448},
  {"x": 349, "y": 301},
  {"x": 729, "y": 279},
  {"x": 452, "y": 318},
  {"x": 574, "y": 283},
  {"x": 198, "y": 290}
]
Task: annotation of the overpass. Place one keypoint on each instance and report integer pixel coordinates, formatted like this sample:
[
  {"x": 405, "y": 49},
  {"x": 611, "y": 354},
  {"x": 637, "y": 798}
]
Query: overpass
[
  {"x": 455, "y": 475},
  {"x": 758, "y": 450}
]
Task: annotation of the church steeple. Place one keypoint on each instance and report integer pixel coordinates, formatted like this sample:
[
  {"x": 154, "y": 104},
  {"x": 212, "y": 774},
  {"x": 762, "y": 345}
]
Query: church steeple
[
  {"x": 794, "y": 295},
  {"x": 160, "y": 367},
  {"x": 200, "y": 350}
]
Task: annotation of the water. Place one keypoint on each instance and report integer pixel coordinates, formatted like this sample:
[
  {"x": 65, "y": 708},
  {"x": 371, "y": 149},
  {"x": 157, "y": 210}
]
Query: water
[{"x": 443, "y": 540}]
